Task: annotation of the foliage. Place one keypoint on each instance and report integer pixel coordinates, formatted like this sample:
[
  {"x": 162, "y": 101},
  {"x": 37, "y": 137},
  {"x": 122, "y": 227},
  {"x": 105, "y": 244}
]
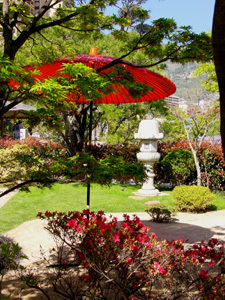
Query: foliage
[
  {"x": 10, "y": 254},
  {"x": 159, "y": 213},
  {"x": 103, "y": 171},
  {"x": 128, "y": 152},
  {"x": 213, "y": 167},
  {"x": 177, "y": 166},
  {"x": 193, "y": 198},
  {"x": 208, "y": 69},
  {"x": 42, "y": 39},
  {"x": 172, "y": 129},
  {"x": 211, "y": 161},
  {"x": 98, "y": 258},
  {"x": 30, "y": 161}
]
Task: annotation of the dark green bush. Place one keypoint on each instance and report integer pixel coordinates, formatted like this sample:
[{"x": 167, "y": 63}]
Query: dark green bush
[
  {"x": 192, "y": 198},
  {"x": 178, "y": 165},
  {"x": 211, "y": 161},
  {"x": 159, "y": 213}
]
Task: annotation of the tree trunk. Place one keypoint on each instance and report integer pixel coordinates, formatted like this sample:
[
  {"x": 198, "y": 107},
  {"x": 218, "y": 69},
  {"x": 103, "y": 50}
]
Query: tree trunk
[
  {"x": 218, "y": 43},
  {"x": 197, "y": 166}
]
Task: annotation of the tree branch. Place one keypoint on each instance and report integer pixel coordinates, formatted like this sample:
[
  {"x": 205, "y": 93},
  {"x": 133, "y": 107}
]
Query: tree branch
[{"x": 25, "y": 183}]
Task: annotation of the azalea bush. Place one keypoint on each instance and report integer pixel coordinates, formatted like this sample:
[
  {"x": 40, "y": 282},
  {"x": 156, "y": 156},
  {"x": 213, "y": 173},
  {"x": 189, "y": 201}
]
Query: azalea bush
[{"x": 98, "y": 258}]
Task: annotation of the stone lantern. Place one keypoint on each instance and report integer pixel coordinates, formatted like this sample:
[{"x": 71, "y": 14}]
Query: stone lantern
[{"x": 148, "y": 133}]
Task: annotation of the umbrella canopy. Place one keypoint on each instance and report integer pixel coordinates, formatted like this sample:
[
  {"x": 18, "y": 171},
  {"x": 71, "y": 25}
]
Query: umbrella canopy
[
  {"x": 161, "y": 86},
  {"x": 18, "y": 111}
]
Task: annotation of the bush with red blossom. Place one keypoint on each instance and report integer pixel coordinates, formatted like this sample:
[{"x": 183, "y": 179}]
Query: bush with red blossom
[{"x": 100, "y": 258}]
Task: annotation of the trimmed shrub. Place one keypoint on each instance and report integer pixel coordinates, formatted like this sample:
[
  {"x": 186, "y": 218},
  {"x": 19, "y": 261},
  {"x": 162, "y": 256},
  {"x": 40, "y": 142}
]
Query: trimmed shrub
[{"x": 192, "y": 198}]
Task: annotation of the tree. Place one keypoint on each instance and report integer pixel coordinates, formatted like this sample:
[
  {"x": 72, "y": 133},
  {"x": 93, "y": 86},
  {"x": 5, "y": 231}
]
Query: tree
[
  {"x": 218, "y": 44},
  {"x": 16, "y": 16},
  {"x": 124, "y": 121},
  {"x": 210, "y": 82},
  {"x": 196, "y": 122},
  {"x": 86, "y": 18}
]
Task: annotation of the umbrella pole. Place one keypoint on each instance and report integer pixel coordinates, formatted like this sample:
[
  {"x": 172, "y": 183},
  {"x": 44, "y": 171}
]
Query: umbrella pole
[{"x": 89, "y": 144}]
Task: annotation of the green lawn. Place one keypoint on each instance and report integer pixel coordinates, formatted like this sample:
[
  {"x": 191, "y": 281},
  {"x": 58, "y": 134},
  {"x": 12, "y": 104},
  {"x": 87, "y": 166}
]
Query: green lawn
[{"x": 69, "y": 197}]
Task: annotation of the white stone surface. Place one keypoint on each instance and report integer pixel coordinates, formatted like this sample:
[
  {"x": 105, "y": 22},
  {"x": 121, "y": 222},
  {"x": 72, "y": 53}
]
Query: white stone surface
[{"x": 148, "y": 133}]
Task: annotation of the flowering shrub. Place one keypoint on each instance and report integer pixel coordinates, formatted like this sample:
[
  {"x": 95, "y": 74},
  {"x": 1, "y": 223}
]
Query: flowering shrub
[{"x": 103, "y": 259}]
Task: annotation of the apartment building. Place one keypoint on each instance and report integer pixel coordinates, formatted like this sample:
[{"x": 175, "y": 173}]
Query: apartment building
[{"x": 39, "y": 3}]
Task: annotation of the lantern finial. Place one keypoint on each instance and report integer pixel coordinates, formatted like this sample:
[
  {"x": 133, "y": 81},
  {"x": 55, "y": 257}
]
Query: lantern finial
[{"x": 93, "y": 51}]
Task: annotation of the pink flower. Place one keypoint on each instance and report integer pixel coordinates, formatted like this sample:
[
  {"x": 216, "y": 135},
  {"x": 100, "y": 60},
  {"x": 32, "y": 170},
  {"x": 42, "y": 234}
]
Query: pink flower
[
  {"x": 214, "y": 241},
  {"x": 48, "y": 213},
  {"x": 126, "y": 227},
  {"x": 153, "y": 235},
  {"x": 149, "y": 245},
  {"x": 134, "y": 248},
  {"x": 160, "y": 268},
  {"x": 116, "y": 237},
  {"x": 79, "y": 229}
]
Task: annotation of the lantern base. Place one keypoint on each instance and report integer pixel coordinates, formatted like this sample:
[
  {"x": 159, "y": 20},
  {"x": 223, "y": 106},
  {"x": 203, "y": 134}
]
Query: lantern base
[{"x": 153, "y": 192}]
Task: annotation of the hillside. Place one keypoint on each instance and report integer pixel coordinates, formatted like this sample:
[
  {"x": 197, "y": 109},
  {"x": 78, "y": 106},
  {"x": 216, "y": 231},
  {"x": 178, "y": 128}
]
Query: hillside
[{"x": 187, "y": 87}]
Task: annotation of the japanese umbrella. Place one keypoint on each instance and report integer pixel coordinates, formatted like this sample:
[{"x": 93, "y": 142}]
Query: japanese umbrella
[{"x": 161, "y": 87}]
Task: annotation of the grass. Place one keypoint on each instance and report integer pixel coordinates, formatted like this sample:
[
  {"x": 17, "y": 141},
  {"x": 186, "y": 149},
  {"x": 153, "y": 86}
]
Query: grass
[{"x": 69, "y": 197}]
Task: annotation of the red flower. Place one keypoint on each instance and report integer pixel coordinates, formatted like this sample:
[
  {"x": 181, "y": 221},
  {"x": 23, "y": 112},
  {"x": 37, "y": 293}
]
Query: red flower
[
  {"x": 72, "y": 224},
  {"x": 203, "y": 274},
  {"x": 129, "y": 260},
  {"x": 48, "y": 214}
]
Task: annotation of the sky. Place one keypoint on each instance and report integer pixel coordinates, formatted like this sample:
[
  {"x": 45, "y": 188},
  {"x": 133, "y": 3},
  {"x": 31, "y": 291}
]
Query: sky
[{"x": 196, "y": 13}]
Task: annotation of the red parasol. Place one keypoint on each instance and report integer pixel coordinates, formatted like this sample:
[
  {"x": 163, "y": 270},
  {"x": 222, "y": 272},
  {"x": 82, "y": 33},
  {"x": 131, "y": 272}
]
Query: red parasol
[{"x": 161, "y": 87}]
